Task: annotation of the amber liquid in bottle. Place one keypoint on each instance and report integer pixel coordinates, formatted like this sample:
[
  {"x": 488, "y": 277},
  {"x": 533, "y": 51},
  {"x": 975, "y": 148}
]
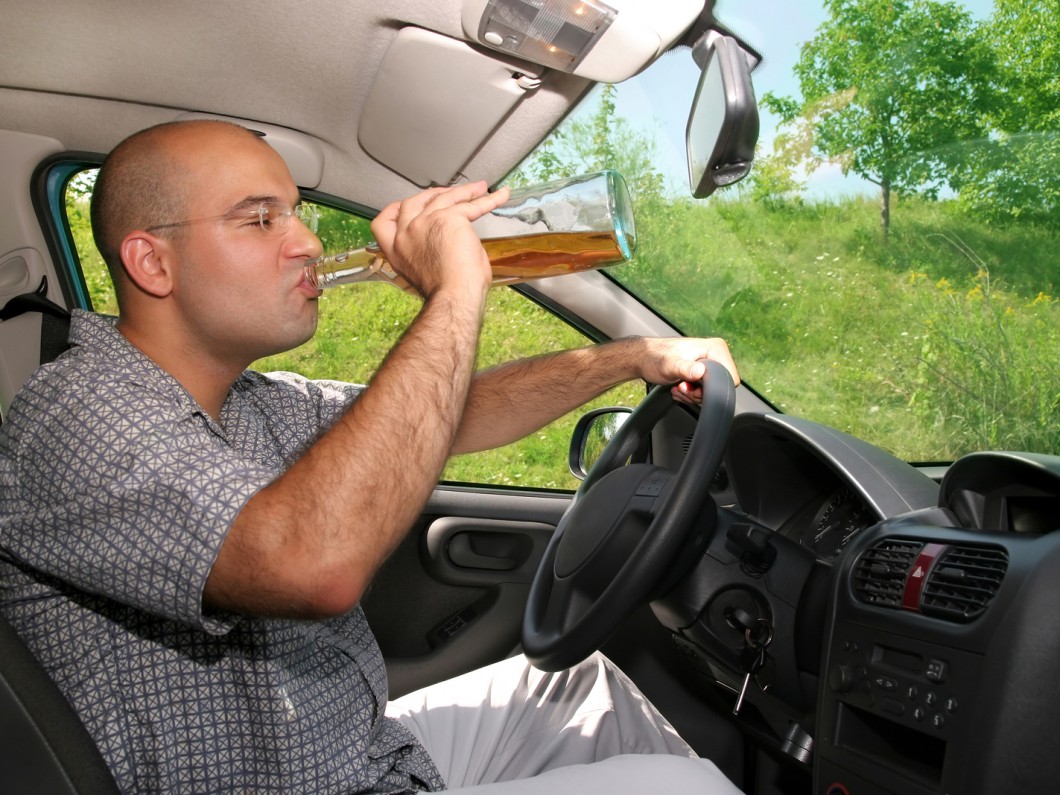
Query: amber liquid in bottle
[{"x": 514, "y": 259}]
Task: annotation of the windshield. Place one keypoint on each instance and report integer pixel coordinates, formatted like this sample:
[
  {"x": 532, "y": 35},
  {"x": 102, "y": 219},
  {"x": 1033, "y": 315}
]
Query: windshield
[{"x": 889, "y": 267}]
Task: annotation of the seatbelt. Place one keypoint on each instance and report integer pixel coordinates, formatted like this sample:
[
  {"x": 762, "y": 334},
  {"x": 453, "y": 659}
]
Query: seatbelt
[{"x": 55, "y": 319}]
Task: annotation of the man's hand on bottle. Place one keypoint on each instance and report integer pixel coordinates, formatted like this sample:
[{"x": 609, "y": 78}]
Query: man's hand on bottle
[{"x": 428, "y": 238}]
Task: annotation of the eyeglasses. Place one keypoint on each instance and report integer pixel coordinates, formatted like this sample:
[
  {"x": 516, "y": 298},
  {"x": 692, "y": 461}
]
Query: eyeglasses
[{"x": 273, "y": 218}]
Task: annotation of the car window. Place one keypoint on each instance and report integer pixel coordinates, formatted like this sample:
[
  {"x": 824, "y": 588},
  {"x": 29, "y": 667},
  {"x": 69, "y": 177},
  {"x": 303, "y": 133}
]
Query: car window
[
  {"x": 359, "y": 323},
  {"x": 889, "y": 266}
]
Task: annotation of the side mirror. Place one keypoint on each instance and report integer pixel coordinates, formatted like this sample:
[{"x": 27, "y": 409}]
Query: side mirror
[
  {"x": 723, "y": 124},
  {"x": 591, "y": 435}
]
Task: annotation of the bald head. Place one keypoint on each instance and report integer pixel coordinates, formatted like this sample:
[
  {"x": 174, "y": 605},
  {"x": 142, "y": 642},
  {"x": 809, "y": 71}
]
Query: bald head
[{"x": 147, "y": 180}]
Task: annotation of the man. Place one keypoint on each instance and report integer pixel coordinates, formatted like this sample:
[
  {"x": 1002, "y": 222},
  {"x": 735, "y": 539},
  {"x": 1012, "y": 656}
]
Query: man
[{"x": 185, "y": 543}]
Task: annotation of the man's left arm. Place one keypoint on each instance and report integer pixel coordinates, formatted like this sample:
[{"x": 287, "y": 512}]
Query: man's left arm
[{"x": 513, "y": 400}]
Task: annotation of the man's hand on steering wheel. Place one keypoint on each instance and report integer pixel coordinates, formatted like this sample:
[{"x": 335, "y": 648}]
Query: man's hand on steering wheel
[{"x": 681, "y": 361}]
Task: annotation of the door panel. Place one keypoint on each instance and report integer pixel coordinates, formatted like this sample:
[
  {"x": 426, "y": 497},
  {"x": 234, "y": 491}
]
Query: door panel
[{"x": 451, "y": 597}]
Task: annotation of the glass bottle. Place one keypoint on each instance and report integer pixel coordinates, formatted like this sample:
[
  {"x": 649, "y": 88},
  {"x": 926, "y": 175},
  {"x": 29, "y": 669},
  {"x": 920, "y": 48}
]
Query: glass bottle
[{"x": 544, "y": 230}]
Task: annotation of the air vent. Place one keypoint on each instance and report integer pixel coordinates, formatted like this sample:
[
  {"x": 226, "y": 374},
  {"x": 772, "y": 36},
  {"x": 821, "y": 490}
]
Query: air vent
[
  {"x": 963, "y": 582},
  {"x": 880, "y": 573}
]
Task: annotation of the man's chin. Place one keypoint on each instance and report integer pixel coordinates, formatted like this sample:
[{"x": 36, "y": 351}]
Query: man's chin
[{"x": 295, "y": 339}]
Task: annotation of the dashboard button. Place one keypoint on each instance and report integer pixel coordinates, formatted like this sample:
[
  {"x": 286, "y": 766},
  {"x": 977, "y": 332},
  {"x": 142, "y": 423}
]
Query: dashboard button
[
  {"x": 936, "y": 670},
  {"x": 893, "y": 706},
  {"x": 841, "y": 679}
]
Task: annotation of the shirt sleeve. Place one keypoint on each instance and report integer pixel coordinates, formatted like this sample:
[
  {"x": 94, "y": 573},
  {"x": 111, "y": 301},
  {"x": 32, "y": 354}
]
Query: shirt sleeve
[
  {"x": 127, "y": 496},
  {"x": 298, "y": 409}
]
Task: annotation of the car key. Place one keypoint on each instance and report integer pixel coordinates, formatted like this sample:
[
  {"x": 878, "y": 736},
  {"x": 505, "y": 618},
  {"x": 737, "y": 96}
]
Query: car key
[{"x": 756, "y": 640}]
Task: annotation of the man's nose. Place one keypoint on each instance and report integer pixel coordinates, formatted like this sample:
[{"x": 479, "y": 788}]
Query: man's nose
[{"x": 301, "y": 240}]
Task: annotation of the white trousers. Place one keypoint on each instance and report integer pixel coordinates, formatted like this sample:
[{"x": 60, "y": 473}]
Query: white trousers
[{"x": 510, "y": 729}]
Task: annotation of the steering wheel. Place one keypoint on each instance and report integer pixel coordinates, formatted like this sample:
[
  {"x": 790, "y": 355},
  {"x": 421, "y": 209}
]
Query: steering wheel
[{"x": 623, "y": 529}]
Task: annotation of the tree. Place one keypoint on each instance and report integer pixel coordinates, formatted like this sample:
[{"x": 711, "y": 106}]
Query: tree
[
  {"x": 774, "y": 180},
  {"x": 1015, "y": 172},
  {"x": 1025, "y": 36},
  {"x": 889, "y": 88}
]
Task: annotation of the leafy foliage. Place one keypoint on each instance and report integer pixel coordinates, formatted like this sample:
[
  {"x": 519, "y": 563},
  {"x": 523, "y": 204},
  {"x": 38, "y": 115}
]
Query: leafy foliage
[
  {"x": 915, "y": 97},
  {"x": 1025, "y": 38},
  {"x": 890, "y": 89},
  {"x": 1015, "y": 172},
  {"x": 978, "y": 377}
]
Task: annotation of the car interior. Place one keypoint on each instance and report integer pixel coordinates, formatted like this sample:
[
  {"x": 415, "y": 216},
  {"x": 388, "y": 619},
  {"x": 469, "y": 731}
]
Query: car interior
[{"x": 810, "y": 612}]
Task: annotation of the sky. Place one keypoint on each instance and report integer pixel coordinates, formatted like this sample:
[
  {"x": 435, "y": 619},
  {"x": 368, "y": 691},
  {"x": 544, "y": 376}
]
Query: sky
[{"x": 777, "y": 29}]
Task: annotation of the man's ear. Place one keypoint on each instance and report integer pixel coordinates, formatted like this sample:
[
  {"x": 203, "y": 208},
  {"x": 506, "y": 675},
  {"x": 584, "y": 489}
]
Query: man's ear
[{"x": 148, "y": 260}]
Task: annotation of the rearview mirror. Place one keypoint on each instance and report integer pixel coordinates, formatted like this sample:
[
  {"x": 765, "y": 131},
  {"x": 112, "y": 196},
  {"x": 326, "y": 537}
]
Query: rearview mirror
[{"x": 723, "y": 124}]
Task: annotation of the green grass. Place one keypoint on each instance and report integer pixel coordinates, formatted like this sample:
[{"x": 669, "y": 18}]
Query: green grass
[{"x": 939, "y": 341}]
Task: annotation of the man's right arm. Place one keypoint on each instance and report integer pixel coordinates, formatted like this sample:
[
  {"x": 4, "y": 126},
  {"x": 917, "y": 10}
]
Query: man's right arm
[{"x": 308, "y": 544}]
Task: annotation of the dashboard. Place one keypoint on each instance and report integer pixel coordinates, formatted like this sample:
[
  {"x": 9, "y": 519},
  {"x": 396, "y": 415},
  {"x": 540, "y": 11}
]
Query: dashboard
[
  {"x": 915, "y": 632},
  {"x": 797, "y": 495},
  {"x": 1006, "y": 492},
  {"x": 817, "y": 486},
  {"x": 943, "y": 640}
]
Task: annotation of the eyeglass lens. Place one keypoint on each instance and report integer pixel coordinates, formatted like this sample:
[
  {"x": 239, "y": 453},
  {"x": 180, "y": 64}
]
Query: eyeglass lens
[{"x": 276, "y": 217}]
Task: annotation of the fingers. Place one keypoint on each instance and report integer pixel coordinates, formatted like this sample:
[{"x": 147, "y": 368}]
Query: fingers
[
  {"x": 684, "y": 360},
  {"x": 469, "y": 200},
  {"x": 672, "y": 359},
  {"x": 687, "y": 393},
  {"x": 719, "y": 352},
  {"x": 472, "y": 198},
  {"x": 717, "y": 349},
  {"x": 692, "y": 370}
]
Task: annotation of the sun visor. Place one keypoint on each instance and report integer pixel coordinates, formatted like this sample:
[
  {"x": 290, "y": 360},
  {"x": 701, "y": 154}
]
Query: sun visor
[{"x": 435, "y": 101}]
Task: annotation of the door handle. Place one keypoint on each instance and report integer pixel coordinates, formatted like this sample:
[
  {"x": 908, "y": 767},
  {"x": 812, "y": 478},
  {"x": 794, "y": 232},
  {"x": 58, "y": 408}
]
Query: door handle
[
  {"x": 475, "y": 551},
  {"x": 482, "y": 552}
]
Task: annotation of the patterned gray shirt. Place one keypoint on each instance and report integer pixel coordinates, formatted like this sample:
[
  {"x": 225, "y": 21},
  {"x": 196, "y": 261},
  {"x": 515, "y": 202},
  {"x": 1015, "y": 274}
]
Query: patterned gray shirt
[{"x": 116, "y": 492}]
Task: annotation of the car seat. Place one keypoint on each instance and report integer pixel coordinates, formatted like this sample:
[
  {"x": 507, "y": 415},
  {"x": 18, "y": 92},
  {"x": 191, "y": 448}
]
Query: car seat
[
  {"x": 55, "y": 319},
  {"x": 44, "y": 747}
]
